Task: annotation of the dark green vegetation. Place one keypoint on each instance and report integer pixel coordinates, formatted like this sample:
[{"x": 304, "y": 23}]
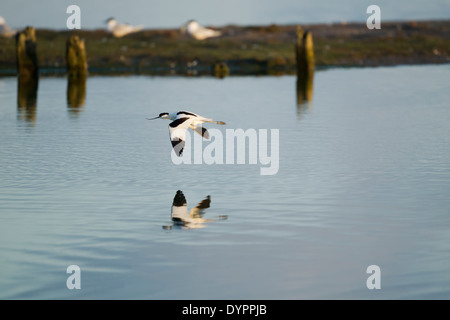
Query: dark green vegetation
[{"x": 245, "y": 50}]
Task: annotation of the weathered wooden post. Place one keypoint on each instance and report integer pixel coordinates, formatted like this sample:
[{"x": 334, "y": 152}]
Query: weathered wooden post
[
  {"x": 221, "y": 70},
  {"x": 77, "y": 70},
  {"x": 305, "y": 65},
  {"x": 304, "y": 52},
  {"x": 27, "y": 63},
  {"x": 76, "y": 58},
  {"x": 28, "y": 74}
]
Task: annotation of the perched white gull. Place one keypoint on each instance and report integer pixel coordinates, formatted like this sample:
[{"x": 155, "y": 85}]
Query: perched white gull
[
  {"x": 181, "y": 121},
  {"x": 5, "y": 30},
  {"x": 198, "y": 32},
  {"x": 192, "y": 219},
  {"x": 121, "y": 29}
]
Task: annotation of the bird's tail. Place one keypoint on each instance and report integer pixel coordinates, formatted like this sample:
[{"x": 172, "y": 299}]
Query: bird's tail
[{"x": 219, "y": 122}]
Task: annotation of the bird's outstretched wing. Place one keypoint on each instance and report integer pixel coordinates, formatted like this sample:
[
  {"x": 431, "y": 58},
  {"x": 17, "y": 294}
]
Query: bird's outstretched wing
[
  {"x": 200, "y": 130},
  {"x": 198, "y": 211},
  {"x": 177, "y": 130}
]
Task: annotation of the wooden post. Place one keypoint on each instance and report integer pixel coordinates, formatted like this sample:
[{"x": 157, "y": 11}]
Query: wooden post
[
  {"x": 221, "y": 70},
  {"x": 304, "y": 52},
  {"x": 28, "y": 71},
  {"x": 76, "y": 58},
  {"x": 305, "y": 65},
  {"x": 77, "y": 70},
  {"x": 27, "y": 64}
]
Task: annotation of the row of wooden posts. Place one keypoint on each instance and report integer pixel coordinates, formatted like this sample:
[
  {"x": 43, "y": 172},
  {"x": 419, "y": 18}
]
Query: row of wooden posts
[
  {"x": 77, "y": 67},
  {"x": 28, "y": 74},
  {"x": 27, "y": 62}
]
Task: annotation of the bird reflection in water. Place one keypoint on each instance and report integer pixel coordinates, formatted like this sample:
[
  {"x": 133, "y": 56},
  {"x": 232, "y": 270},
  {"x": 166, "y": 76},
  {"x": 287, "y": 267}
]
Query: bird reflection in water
[{"x": 193, "y": 219}]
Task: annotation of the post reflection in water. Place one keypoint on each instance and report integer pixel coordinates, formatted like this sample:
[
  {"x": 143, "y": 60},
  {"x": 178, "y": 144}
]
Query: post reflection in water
[
  {"x": 193, "y": 219},
  {"x": 76, "y": 94},
  {"x": 27, "y": 98},
  {"x": 304, "y": 92}
]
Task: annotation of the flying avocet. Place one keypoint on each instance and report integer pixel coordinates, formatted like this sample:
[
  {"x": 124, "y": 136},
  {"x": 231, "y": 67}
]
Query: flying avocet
[{"x": 181, "y": 121}]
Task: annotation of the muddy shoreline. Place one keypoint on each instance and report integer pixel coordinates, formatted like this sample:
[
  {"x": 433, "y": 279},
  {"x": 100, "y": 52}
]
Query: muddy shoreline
[{"x": 245, "y": 49}]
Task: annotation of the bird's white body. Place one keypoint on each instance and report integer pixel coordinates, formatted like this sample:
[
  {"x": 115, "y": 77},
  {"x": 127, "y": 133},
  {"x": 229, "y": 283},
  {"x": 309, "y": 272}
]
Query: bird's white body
[
  {"x": 198, "y": 32},
  {"x": 119, "y": 30},
  {"x": 5, "y": 30},
  {"x": 181, "y": 121}
]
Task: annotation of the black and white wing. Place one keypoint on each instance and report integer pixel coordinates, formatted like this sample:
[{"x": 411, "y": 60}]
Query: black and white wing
[
  {"x": 200, "y": 130},
  {"x": 198, "y": 211},
  {"x": 196, "y": 124},
  {"x": 177, "y": 130}
]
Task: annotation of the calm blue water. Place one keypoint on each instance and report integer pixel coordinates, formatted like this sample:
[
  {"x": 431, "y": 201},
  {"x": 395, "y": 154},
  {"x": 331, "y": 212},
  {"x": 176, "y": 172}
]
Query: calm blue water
[{"x": 364, "y": 179}]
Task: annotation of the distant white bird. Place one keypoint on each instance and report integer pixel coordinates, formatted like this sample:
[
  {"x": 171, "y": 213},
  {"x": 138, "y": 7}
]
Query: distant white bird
[
  {"x": 192, "y": 220},
  {"x": 121, "y": 29},
  {"x": 198, "y": 32},
  {"x": 181, "y": 121},
  {"x": 5, "y": 30}
]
